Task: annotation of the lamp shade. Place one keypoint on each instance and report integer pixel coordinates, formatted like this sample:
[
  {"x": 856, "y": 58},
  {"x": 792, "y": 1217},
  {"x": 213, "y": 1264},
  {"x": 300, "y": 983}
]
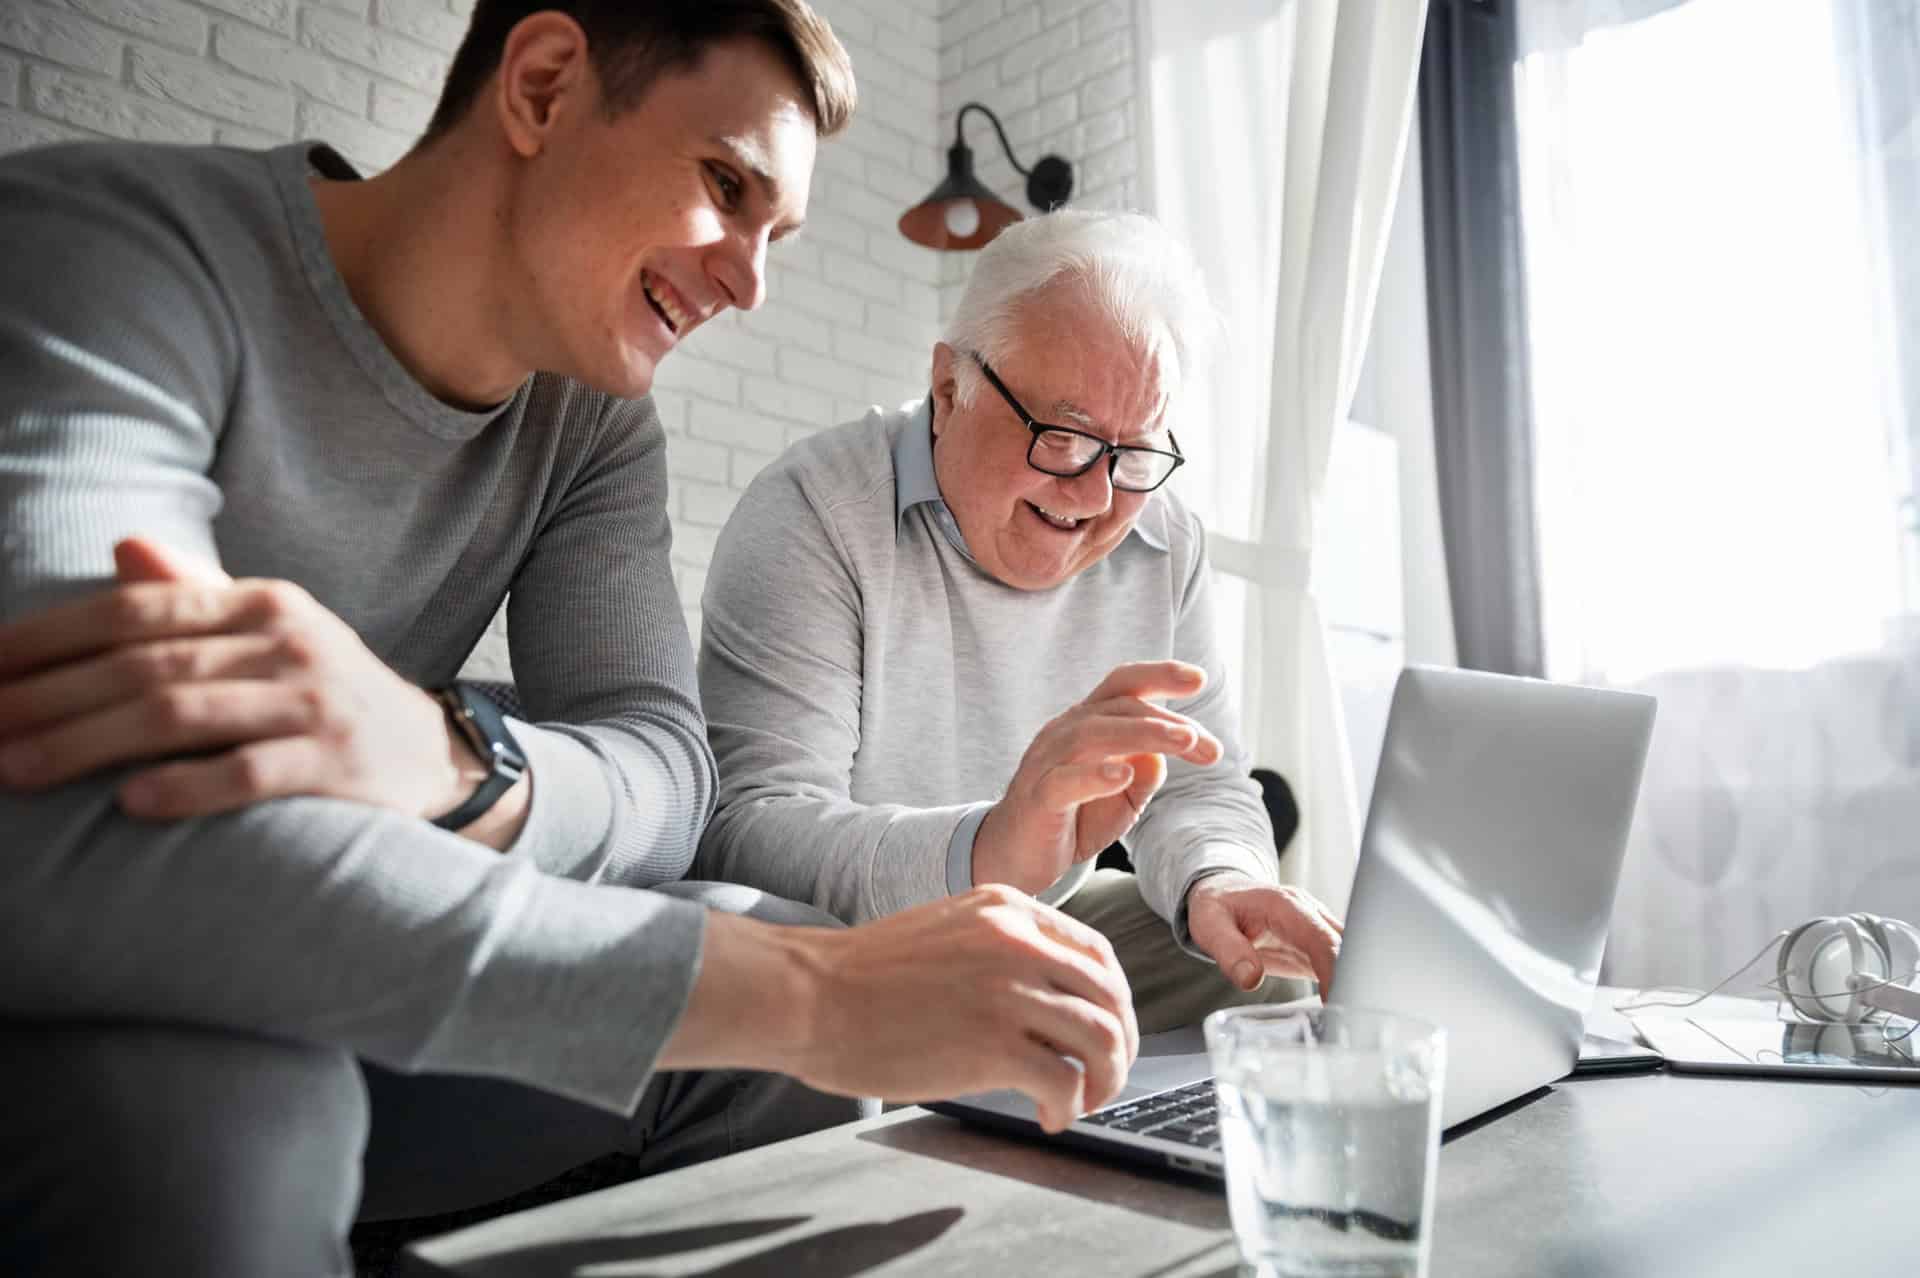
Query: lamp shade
[{"x": 960, "y": 213}]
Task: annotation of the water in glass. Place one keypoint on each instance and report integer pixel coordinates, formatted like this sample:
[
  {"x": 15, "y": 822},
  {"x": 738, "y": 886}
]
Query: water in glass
[{"x": 1335, "y": 1166}]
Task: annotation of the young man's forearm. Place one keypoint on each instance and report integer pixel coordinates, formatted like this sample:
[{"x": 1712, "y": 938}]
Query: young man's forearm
[{"x": 334, "y": 923}]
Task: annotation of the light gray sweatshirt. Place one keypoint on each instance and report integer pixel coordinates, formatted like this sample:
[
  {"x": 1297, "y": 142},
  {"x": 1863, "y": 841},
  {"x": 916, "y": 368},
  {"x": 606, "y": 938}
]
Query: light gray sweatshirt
[
  {"x": 179, "y": 358},
  {"x": 870, "y": 689}
]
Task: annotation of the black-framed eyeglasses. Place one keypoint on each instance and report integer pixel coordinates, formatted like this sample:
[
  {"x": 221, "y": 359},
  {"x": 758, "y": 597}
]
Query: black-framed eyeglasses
[{"x": 1067, "y": 453}]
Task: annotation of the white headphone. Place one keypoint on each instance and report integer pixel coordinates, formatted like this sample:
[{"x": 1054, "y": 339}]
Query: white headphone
[{"x": 1851, "y": 968}]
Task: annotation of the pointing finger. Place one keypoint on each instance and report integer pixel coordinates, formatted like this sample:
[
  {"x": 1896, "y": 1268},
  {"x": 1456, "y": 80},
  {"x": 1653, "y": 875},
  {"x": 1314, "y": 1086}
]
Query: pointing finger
[
  {"x": 1156, "y": 679},
  {"x": 1089, "y": 735}
]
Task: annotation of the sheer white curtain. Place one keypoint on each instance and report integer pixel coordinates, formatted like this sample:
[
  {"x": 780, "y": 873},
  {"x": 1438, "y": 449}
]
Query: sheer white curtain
[
  {"x": 1279, "y": 128},
  {"x": 1721, "y": 404}
]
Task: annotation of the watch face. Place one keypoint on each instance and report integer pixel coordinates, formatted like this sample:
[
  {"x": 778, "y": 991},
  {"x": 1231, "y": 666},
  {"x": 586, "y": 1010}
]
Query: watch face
[
  {"x": 460, "y": 714},
  {"x": 484, "y": 729},
  {"x": 476, "y": 738},
  {"x": 489, "y": 733}
]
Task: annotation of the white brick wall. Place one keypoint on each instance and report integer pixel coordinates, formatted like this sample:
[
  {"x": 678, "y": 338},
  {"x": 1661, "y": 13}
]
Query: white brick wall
[
  {"x": 1063, "y": 77},
  {"x": 854, "y": 308},
  {"x": 359, "y": 73}
]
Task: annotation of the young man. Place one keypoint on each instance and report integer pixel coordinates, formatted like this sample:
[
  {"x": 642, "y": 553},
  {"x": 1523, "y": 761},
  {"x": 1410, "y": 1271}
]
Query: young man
[
  {"x": 274, "y": 444},
  {"x": 971, "y": 641}
]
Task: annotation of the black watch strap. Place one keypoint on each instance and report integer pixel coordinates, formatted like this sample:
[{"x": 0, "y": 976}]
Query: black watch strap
[{"x": 484, "y": 728}]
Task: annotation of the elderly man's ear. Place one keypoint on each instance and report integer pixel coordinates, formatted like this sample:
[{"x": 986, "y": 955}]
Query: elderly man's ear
[{"x": 945, "y": 362}]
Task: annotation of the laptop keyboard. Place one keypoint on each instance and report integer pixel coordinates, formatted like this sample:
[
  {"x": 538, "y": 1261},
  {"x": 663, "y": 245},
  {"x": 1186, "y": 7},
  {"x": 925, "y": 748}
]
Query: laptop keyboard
[{"x": 1185, "y": 1115}]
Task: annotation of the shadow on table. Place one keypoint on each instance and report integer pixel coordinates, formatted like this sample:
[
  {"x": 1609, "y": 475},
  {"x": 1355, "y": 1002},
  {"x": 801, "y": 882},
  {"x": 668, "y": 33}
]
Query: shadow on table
[
  {"x": 1232, "y": 1269},
  {"x": 1034, "y": 1162},
  {"x": 1497, "y": 1113},
  {"x": 841, "y": 1252}
]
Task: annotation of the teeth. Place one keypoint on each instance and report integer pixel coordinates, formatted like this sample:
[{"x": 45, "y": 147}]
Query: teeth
[
  {"x": 675, "y": 316},
  {"x": 1060, "y": 521}
]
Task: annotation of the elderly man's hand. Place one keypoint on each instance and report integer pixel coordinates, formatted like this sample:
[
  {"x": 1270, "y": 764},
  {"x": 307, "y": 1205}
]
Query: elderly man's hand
[
  {"x": 1254, "y": 930},
  {"x": 243, "y": 690},
  {"x": 1089, "y": 773}
]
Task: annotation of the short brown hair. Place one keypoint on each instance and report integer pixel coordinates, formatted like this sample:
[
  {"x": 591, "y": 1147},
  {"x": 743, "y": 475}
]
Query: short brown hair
[{"x": 632, "y": 42}]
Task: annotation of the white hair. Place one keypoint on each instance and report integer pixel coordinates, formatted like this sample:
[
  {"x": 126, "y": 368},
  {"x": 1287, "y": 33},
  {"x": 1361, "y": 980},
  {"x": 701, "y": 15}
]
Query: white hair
[{"x": 1132, "y": 268}]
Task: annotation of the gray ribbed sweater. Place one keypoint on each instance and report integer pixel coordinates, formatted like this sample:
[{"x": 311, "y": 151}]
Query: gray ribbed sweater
[{"x": 179, "y": 358}]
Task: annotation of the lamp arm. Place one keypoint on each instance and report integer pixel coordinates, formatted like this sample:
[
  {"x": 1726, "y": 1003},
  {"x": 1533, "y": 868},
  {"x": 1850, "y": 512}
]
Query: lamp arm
[{"x": 959, "y": 135}]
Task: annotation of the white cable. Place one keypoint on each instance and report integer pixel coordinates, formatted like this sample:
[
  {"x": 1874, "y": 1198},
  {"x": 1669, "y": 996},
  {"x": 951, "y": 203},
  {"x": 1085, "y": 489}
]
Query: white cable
[{"x": 1638, "y": 1000}]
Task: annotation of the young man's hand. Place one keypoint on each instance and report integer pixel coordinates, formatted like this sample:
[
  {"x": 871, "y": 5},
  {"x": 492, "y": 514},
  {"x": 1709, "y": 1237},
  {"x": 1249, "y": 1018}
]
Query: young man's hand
[
  {"x": 986, "y": 990},
  {"x": 237, "y": 691},
  {"x": 1089, "y": 774}
]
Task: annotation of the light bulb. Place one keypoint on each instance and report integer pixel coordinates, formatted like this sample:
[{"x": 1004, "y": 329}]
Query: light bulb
[{"x": 963, "y": 218}]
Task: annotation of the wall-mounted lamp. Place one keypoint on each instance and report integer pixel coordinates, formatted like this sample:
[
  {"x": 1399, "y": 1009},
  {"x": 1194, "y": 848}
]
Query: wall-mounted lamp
[{"x": 961, "y": 213}]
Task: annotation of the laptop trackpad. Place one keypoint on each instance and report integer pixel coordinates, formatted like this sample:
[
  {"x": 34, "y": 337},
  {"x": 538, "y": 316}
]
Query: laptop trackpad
[{"x": 1172, "y": 1059}]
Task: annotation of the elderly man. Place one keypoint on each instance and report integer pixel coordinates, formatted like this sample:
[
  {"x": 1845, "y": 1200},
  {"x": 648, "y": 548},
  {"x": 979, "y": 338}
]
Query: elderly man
[
  {"x": 970, "y": 641},
  {"x": 278, "y": 925}
]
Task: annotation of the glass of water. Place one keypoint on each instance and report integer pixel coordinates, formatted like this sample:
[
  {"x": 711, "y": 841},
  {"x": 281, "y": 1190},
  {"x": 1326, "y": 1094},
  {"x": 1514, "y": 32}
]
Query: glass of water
[{"x": 1330, "y": 1124}]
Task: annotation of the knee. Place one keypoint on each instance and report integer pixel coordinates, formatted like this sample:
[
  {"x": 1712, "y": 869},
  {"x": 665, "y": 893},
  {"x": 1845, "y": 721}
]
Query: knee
[
  {"x": 168, "y": 1150},
  {"x": 736, "y": 898},
  {"x": 697, "y": 1115},
  {"x": 770, "y": 1107}
]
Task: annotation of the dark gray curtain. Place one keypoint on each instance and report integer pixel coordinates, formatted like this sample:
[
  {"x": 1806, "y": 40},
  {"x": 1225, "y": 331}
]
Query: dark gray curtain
[{"x": 1476, "y": 313}]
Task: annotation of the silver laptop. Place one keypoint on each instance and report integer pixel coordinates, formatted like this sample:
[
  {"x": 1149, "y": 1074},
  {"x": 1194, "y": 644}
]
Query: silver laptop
[{"x": 1486, "y": 877}]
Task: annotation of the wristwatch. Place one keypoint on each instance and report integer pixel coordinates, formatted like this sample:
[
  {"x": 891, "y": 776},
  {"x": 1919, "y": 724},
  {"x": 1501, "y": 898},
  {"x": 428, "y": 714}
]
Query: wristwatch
[{"x": 481, "y": 725}]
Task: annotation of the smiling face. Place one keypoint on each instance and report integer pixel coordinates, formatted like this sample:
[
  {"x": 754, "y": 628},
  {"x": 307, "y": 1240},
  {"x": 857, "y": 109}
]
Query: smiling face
[
  {"x": 1070, "y": 368},
  {"x": 629, "y": 232}
]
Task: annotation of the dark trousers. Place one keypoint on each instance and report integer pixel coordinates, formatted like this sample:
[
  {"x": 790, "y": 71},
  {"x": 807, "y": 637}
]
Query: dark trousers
[{"x": 137, "y": 1149}]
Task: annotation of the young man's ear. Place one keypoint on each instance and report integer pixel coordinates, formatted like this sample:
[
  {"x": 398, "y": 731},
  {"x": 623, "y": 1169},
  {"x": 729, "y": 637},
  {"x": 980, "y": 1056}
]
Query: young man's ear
[
  {"x": 944, "y": 375},
  {"x": 544, "y": 73}
]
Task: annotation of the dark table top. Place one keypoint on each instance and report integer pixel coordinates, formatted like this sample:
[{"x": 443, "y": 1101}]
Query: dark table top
[{"x": 1645, "y": 1175}]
